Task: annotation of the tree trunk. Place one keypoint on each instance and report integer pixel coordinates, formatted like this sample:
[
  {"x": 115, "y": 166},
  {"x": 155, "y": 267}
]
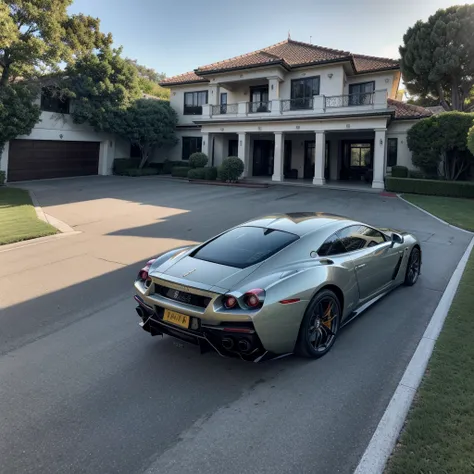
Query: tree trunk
[
  {"x": 442, "y": 99},
  {"x": 145, "y": 154},
  {"x": 456, "y": 100},
  {"x": 5, "y": 76}
]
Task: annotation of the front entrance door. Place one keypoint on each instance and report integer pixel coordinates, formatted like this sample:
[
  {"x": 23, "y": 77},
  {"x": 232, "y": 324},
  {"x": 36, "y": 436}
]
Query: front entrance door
[
  {"x": 356, "y": 159},
  {"x": 263, "y": 157},
  {"x": 309, "y": 156}
]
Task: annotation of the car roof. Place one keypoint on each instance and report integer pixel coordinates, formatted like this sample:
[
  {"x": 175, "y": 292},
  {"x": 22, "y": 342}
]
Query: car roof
[{"x": 299, "y": 223}]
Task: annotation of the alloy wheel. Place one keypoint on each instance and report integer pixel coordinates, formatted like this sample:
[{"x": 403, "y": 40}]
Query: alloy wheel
[{"x": 323, "y": 324}]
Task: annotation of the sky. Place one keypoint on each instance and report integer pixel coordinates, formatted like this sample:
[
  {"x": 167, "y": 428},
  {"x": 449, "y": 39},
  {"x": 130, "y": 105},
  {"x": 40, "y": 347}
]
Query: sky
[{"x": 178, "y": 36}]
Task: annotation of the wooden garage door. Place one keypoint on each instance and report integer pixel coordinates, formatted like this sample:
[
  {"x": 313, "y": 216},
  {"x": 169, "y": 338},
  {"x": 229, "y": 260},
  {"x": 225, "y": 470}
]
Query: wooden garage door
[{"x": 42, "y": 159}]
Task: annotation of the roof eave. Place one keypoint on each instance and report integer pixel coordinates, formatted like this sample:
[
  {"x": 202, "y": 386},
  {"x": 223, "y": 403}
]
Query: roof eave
[
  {"x": 240, "y": 68},
  {"x": 183, "y": 83}
]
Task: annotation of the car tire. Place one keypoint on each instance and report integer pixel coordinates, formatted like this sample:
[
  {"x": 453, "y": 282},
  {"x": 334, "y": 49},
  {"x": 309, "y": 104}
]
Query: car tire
[
  {"x": 413, "y": 267},
  {"x": 311, "y": 329}
]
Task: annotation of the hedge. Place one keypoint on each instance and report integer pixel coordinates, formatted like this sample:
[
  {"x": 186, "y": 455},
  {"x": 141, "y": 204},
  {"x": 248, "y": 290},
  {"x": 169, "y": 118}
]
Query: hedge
[
  {"x": 122, "y": 164},
  {"x": 434, "y": 187},
  {"x": 2, "y": 178},
  {"x": 169, "y": 165},
  {"x": 137, "y": 172},
  {"x": 399, "y": 172},
  {"x": 197, "y": 173},
  {"x": 210, "y": 173},
  {"x": 180, "y": 171}
]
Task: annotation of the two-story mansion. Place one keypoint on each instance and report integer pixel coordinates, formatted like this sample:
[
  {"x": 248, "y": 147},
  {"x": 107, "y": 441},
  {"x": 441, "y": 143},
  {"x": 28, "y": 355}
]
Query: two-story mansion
[{"x": 296, "y": 110}]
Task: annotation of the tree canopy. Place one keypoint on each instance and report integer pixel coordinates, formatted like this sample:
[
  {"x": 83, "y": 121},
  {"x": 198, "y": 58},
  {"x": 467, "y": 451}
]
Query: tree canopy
[
  {"x": 442, "y": 139},
  {"x": 37, "y": 35},
  {"x": 149, "y": 80},
  {"x": 100, "y": 84},
  {"x": 147, "y": 123},
  {"x": 437, "y": 57}
]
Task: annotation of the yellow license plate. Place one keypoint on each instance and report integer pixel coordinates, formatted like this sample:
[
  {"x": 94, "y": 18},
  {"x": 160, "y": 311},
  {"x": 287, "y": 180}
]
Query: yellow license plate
[{"x": 176, "y": 318}]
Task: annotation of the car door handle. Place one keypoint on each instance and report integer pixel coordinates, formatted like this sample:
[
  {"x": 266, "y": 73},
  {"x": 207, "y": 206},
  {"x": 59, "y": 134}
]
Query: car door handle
[{"x": 362, "y": 265}]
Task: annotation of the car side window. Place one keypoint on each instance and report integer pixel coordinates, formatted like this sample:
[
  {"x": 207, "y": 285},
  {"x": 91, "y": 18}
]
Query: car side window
[
  {"x": 331, "y": 246},
  {"x": 357, "y": 237}
]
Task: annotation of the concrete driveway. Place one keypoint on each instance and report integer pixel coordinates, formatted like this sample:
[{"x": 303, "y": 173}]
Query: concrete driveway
[{"x": 83, "y": 389}]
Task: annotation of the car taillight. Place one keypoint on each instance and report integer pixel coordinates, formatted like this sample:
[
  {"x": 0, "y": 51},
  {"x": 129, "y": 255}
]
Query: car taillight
[
  {"x": 143, "y": 273},
  {"x": 230, "y": 301},
  {"x": 254, "y": 298}
]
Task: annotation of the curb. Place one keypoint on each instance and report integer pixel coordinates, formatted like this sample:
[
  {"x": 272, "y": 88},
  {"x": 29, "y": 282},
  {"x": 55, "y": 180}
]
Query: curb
[
  {"x": 433, "y": 216},
  {"x": 37, "y": 241},
  {"x": 60, "y": 225},
  {"x": 383, "y": 441}
]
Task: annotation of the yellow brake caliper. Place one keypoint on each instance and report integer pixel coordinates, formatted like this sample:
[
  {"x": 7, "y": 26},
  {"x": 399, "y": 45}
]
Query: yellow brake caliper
[{"x": 328, "y": 317}]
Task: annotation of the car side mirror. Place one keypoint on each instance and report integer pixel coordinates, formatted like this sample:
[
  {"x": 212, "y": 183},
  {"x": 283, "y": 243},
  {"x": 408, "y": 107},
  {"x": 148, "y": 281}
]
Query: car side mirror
[{"x": 397, "y": 239}]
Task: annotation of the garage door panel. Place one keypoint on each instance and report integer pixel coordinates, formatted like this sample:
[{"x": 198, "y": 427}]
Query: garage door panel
[{"x": 43, "y": 159}]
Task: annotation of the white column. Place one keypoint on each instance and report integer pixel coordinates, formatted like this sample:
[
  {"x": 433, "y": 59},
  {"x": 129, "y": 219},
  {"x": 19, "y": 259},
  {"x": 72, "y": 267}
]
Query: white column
[
  {"x": 214, "y": 97},
  {"x": 274, "y": 95},
  {"x": 278, "y": 158},
  {"x": 379, "y": 158},
  {"x": 206, "y": 146},
  {"x": 4, "y": 160},
  {"x": 319, "y": 159},
  {"x": 243, "y": 152}
]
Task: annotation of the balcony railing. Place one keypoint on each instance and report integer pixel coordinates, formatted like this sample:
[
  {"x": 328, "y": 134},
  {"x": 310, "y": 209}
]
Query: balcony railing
[
  {"x": 366, "y": 98},
  {"x": 225, "y": 109},
  {"x": 259, "y": 107},
  {"x": 297, "y": 104}
]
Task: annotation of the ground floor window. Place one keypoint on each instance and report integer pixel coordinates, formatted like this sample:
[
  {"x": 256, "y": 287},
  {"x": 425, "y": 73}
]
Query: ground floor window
[
  {"x": 392, "y": 151},
  {"x": 191, "y": 145},
  {"x": 360, "y": 155}
]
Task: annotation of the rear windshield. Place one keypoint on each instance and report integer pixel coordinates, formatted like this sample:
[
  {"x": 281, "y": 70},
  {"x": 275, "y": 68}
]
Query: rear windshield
[{"x": 245, "y": 246}]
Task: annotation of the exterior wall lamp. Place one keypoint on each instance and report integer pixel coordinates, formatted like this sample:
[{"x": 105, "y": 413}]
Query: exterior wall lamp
[{"x": 330, "y": 75}]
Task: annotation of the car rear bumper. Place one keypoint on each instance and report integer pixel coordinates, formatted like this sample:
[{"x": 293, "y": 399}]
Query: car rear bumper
[{"x": 228, "y": 340}]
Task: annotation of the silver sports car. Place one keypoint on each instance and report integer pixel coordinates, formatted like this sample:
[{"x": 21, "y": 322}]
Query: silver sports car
[{"x": 275, "y": 285}]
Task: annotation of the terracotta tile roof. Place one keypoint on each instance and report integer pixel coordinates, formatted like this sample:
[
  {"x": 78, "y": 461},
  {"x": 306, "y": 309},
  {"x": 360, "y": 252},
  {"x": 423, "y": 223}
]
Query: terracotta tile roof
[
  {"x": 289, "y": 53},
  {"x": 186, "y": 78},
  {"x": 372, "y": 63},
  {"x": 406, "y": 111}
]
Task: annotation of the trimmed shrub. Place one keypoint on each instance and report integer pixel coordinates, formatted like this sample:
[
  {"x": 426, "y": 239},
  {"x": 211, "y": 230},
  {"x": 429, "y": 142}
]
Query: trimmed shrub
[
  {"x": 2, "y": 178},
  {"x": 434, "y": 187},
  {"x": 197, "y": 173},
  {"x": 169, "y": 165},
  {"x": 198, "y": 160},
  {"x": 122, "y": 164},
  {"x": 415, "y": 174},
  {"x": 210, "y": 173},
  {"x": 180, "y": 171},
  {"x": 399, "y": 171},
  {"x": 143, "y": 172},
  {"x": 157, "y": 166},
  {"x": 231, "y": 168}
]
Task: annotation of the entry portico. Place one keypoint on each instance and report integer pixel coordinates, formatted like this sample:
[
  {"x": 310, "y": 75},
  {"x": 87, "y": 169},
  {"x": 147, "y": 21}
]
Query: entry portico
[{"x": 316, "y": 150}]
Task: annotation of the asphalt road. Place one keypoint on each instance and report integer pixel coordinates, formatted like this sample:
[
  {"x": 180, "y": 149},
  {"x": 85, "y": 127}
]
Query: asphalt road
[{"x": 84, "y": 390}]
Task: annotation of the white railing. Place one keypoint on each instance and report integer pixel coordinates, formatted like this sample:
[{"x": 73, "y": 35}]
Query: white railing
[{"x": 317, "y": 105}]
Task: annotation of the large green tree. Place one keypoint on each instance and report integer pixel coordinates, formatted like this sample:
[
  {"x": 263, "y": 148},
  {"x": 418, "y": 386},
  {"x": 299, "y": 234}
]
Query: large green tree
[
  {"x": 147, "y": 123},
  {"x": 149, "y": 80},
  {"x": 101, "y": 84},
  {"x": 442, "y": 139},
  {"x": 40, "y": 34},
  {"x": 437, "y": 57}
]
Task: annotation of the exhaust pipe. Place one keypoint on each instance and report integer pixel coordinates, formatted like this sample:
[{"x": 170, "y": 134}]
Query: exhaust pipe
[
  {"x": 227, "y": 343},
  {"x": 244, "y": 345},
  {"x": 141, "y": 312}
]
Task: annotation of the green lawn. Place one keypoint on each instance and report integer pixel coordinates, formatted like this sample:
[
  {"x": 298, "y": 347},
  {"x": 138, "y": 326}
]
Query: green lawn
[
  {"x": 456, "y": 211},
  {"x": 18, "y": 219},
  {"x": 438, "y": 437}
]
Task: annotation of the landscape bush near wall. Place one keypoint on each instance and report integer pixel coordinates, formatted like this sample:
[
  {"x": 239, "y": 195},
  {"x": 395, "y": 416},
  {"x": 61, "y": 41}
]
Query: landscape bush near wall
[{"x": 434, "y": 187}]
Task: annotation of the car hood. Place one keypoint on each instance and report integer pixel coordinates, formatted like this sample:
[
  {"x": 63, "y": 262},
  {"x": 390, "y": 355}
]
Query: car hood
[{"x": 205, "y": 275}]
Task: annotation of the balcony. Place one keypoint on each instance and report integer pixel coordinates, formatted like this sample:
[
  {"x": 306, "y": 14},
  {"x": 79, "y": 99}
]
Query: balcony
[{"x": 312, "y": 106}]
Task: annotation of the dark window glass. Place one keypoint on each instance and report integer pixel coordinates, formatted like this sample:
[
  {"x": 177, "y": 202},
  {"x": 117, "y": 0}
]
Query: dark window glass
[
  {"x": 361, "y": 155},
  {"x": 191, "y": 145},
  {"x": 332, "y": 246},
  {"x": 245, "y": 246},
  {"x": 392, "y": 151},
  {"x": 233, "y": 149},
  {"x": 51, "y": 102},
  {"x": 135, "y": 151},
  {"x": 258, "y": 99},
  {"x": 361, "y": 94},
  {"x": 193, "y": 102},
  {"x": 302, "y": 92},
  {"x": 357, "y": 237},
  {"x": 223, "y": 103}
]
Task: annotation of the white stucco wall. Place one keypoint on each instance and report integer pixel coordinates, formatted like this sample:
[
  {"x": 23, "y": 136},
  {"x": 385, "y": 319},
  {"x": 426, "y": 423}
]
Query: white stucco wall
[
  {"x": 399, "y": 129},
  {"x": 177, "y": 101},
  {"x": 383, "y": 80}
]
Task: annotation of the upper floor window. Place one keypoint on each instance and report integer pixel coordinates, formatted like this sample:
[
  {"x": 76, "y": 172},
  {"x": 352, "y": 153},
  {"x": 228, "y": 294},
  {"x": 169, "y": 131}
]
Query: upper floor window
[
  {"x": 193, "y": 102},
  {"x": 392, "y": 151},
  {"x": 52, "y": 102},
  {"x": 302, "y": 92},
  {"x": 361, "y": 93}
]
